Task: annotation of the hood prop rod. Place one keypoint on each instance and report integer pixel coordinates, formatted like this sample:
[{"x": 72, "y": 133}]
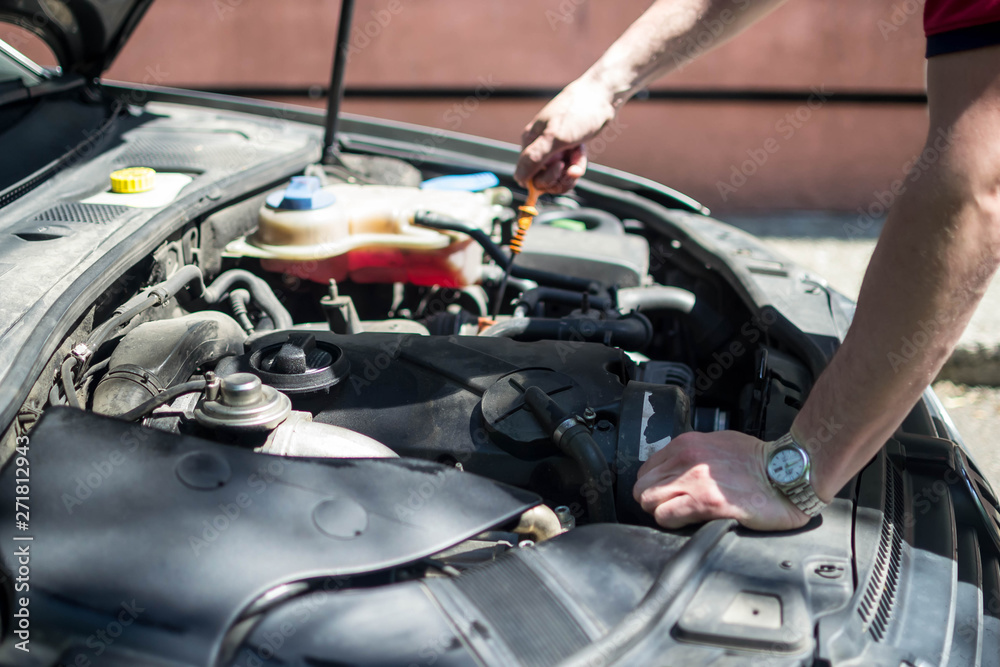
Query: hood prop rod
[{"x": 335, "y": 95}]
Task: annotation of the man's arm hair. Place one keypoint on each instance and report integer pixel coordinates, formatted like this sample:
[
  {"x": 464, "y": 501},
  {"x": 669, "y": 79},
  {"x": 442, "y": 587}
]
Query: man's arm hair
[
  {"x": 669, "y": 35},
  {"x": 937, "y": 254}
]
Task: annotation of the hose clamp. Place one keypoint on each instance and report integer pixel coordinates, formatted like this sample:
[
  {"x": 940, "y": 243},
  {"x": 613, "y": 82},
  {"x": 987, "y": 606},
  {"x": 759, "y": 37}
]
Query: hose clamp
[
  {"x": 160, "y": 293},
  {"x": 81, "y": 352},
  {"x": 567, "y": 424}
]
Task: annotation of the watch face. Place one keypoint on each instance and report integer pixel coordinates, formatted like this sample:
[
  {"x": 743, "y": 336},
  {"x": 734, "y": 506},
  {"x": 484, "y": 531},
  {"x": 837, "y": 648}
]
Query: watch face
[{"x": 786, "y": 466}]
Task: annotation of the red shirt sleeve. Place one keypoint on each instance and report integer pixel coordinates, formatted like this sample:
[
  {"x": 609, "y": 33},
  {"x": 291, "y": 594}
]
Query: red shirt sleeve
[{"x": 944, "y": 15}]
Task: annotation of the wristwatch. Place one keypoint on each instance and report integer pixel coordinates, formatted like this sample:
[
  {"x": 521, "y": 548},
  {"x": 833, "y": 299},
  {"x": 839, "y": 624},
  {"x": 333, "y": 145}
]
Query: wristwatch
[{"x": 789, "y": 469}]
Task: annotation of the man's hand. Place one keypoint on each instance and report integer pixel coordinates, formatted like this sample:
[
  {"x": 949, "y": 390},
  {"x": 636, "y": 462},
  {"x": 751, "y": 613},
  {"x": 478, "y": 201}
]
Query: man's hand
[
  {"x": 553, "y": 152},
  {"x": 703, "y": 476}
]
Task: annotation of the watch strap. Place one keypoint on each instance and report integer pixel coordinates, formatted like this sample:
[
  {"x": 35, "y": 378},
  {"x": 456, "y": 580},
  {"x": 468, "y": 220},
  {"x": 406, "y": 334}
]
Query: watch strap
[
  {"x": 801, "y": 494},
  {"x": 804, "y": 497}
]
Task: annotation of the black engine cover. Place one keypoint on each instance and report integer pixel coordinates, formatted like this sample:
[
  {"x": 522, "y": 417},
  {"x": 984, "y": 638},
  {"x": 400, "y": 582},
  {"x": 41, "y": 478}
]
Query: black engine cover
[
  {"x": 459, "y": 399},
  {"x": 421, "y": 395},
  {"x": 162, "y": 541}
]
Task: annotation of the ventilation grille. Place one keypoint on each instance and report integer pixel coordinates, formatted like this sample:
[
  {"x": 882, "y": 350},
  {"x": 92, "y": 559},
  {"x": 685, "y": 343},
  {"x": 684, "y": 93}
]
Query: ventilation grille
[
  {"x": 95, "y": 214},
  {"x": 516, "y": 603},
  {"x": 880, "y": 595},
  {"x": 198, "y": 155}
]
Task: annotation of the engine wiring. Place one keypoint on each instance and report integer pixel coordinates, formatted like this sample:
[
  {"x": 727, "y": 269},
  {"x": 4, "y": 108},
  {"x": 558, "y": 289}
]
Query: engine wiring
[{"x": 165, "y": 396}]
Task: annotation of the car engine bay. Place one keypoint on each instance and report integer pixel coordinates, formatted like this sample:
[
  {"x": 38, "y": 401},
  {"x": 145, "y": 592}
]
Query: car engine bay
[
  {"x": 379, "y": 346},
  {"x": 330, "y": 320},
  {"x": 328, "y": 419}
]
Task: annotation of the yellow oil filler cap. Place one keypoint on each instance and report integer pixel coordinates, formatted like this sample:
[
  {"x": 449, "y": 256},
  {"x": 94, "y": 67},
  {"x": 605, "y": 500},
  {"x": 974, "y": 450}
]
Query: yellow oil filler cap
[{"x": 132, "y": 180}]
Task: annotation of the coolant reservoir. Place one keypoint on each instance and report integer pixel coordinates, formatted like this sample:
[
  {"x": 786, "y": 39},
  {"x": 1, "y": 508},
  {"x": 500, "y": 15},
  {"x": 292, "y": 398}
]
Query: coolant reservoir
[{"x": 365, "y": 233}]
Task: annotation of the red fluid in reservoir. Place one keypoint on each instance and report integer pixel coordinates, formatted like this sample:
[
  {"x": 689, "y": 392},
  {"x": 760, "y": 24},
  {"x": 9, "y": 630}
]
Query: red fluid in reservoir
[{"x": 453, "y": 266}]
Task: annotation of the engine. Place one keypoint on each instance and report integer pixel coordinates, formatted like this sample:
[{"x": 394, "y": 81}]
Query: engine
[
  {"x": 334, "y": 319},
  {"x": 346, "y": 406}
]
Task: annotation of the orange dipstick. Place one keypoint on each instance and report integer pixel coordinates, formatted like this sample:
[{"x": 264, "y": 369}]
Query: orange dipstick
[{"x": 527, "y": 215}]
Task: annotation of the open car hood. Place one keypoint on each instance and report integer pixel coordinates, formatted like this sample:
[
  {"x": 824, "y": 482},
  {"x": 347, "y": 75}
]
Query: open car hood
[{"x": 85, "y": 35}]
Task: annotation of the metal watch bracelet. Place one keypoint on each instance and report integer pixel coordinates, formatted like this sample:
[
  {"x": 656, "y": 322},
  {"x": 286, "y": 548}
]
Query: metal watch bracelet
[{"x": 802, "y": 495}]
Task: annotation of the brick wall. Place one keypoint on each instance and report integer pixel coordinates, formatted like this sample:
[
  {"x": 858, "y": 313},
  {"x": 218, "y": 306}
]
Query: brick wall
[{"x": 819, "y": 155}]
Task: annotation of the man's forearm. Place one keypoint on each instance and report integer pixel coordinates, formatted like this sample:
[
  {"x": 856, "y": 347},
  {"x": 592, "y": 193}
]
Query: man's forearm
[
  {"x": 667, "y": 36},
  {"x": 938, "y": 251}
]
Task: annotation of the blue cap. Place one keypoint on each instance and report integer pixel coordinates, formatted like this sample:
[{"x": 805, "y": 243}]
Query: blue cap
[
  {"x": 463, "y": 182},
  {"x": 304, "y": 193}
]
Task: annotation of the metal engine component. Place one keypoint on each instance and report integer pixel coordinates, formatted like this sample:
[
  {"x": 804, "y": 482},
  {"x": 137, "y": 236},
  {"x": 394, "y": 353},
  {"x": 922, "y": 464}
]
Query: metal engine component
[
  {"x": 157, "y": 355},
  {"x": 655, "y": 297},
  {"x": 340, "y": 312},
  {"x": 299, "y": 435},
  {"x": 244, "y": 404},
  {"x": 540, "y": 523},
  {"x": 566, "y": 518}
]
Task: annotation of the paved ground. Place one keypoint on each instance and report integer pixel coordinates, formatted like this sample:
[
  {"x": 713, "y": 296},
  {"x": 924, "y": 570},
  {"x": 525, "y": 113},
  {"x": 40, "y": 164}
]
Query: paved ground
[
  {"x": 976, "y": 413},
  {"x": 969, "y": 386}
]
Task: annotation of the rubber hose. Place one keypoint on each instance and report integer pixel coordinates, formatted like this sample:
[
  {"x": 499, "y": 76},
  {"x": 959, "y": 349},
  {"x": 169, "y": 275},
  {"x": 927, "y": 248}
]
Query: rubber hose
[
  {"x": 164, "y": 396},
  {"x": 576, "y": 443},
  {"x": 655, "y": 297},
  {"x": 238, "y": 300},
  {"x": 146, "y": 299},
  {"x": 99, "y": 335},
  {"x": 531, "y": 298},
  {"x": 69, "y": 386},
  {"x": 157, "y": 355},
  {"x": 444, "y": 223},
  {"x": 262, "y": 293},
  {"x": 579, "y": 445},
  {"x": 632, "y": 332}
]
